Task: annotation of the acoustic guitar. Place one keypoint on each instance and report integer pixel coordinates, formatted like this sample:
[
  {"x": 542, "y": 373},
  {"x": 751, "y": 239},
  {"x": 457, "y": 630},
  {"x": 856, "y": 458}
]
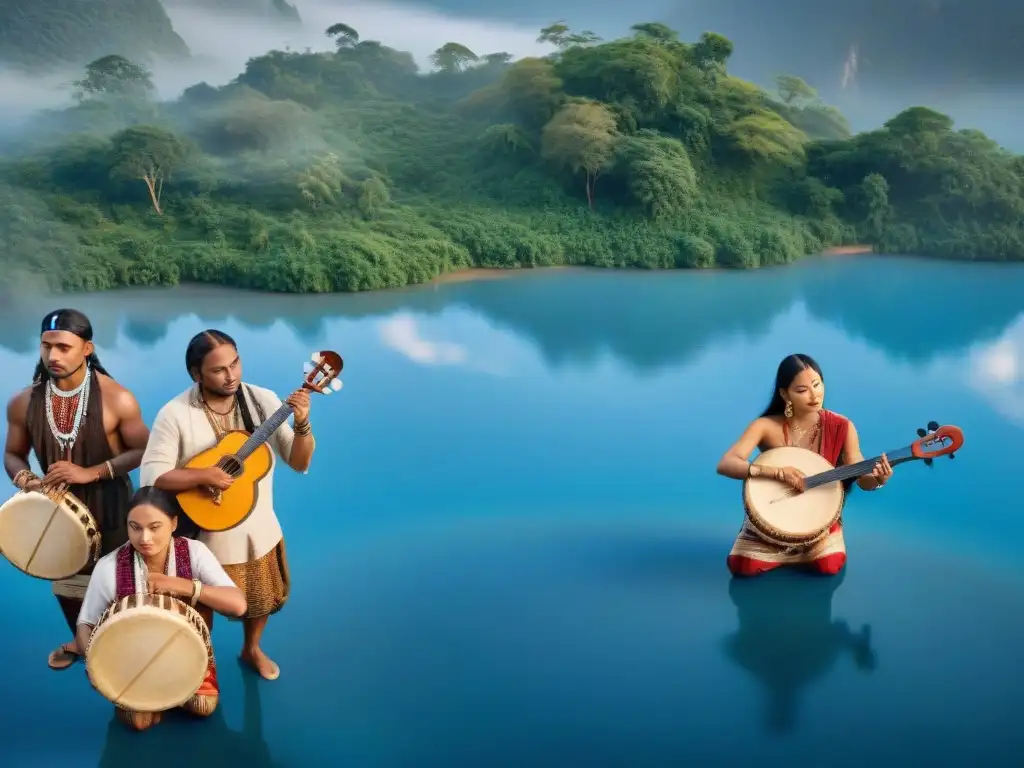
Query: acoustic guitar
[
  {"x": 790, "y": 519},
  {"x": 248, "y": 458}
]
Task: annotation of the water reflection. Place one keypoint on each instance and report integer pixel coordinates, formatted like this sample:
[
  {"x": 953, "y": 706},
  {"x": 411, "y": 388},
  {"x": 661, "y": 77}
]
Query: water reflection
[
  {"x": 905, "y": 307},
  {"x": 787, "y": 638},
  {"x": 180, "y": 740}
]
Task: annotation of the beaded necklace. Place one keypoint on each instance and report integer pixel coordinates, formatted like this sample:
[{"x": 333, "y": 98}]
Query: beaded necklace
[{"x": 69, "y": 409}]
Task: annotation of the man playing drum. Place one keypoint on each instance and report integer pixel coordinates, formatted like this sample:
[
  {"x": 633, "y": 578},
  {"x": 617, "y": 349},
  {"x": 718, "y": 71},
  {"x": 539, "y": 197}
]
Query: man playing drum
[
  {"x": 795, "y": 417},
  {"x": 252, "y": 553},
  {"x": 87, "y": 433},
  {"x": 155, "y": 562}
]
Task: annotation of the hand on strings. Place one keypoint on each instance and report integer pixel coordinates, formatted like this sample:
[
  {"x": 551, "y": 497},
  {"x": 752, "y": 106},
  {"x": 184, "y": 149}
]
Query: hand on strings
[
  {"x": 217, "y": 478},
  {"x": 299, "y": 401},
  {"x": 882, "y": 471},
  {"x": 792, "y": 477},
  {"x": 162, "y": 584}
]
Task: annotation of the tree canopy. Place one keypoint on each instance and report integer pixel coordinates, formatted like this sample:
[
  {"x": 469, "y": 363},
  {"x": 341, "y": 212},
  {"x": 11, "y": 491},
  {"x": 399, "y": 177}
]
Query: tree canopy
[{"x": 355, "y": 170}]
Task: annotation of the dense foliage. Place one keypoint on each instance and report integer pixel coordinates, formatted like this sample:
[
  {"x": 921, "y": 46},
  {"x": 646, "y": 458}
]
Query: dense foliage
[{"x": 351, "y": 170}]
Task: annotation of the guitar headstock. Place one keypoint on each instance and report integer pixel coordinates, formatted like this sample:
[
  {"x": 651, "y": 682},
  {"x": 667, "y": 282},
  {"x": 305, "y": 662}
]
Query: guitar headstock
[
  {"x": 322, "y": 373},
  {"x": 937, "y": 441}
]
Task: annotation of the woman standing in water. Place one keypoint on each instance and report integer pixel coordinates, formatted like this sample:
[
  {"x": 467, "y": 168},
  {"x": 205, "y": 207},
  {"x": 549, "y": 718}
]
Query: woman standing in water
[{"x": 795, "y": 417}]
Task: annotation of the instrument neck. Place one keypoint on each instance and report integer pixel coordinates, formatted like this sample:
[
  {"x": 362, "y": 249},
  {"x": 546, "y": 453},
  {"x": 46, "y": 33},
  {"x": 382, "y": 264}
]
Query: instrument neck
[
  {"x": 264, "y": 431},
  {"x": 861, "y": 468}
]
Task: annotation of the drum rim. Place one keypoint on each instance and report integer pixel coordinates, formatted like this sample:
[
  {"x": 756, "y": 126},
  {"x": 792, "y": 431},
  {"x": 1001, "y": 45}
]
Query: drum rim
[
  {"x": 92, "y": 542},
  {"x": 776, "y": 536},
  {"x": 116, "y": 613}
]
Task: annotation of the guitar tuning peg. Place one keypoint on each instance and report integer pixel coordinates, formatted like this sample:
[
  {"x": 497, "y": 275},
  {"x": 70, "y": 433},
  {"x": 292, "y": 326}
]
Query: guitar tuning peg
[
  {"x": 336, "y": 385},
  {"x": 932, "y": 426},
  {"x": 921, "y": 432},
  {"x": 315, "y": 357},
  {"x": 307, "y": 367}
]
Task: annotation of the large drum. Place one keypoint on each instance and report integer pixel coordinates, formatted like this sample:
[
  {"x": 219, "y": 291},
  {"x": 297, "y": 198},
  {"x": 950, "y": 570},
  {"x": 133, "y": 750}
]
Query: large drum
[
  {"x": 781, "y": 515},
  {"x": 149, "y": 653},
  {"x": 48, "y": 537}
]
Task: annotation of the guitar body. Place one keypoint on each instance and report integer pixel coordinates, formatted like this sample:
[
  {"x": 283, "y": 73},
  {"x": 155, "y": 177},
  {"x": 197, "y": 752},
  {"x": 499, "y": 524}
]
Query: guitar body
[{"x": 233, "y": 506}]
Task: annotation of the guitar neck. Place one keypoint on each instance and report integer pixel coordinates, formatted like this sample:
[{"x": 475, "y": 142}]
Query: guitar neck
[
  {"x": 861, "y": 468},
  {"x": 264, "y": 431}
]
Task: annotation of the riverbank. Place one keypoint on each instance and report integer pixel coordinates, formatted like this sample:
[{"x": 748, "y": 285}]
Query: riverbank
[{"x": 474, "y": 274}]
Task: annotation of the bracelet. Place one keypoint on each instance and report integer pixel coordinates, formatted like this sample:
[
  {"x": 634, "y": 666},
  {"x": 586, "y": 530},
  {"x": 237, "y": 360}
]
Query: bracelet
[
  {"x": 303, "y": 428},
  {"x": 197, "y": 590},
  {"x": 23, "y": 475},
  {"x": 110, "y": 470}
]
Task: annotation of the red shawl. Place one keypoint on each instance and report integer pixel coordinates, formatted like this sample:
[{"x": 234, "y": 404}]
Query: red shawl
[
  {"x": 834, "y": 429},
  {"x": 126, "y": 566}
]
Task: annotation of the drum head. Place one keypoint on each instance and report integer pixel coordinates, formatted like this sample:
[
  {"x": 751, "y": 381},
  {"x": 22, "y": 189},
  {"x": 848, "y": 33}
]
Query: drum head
[
  {"x": 147, "y": 659},
  {"x": 787, "y": 518},
  {"x": 43, "y": 538}
]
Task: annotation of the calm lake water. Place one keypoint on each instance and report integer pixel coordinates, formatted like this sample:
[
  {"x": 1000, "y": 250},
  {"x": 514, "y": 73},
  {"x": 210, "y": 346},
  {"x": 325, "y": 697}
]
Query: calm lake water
[{"x": 511, "y": 547}]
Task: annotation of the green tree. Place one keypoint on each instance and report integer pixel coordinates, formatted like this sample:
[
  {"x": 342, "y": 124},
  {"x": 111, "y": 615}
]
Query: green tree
[
  {"x": 344, "y": 35},
  {"x": 659, "y": 174},
  {"x": 114, "y": 76},
  {"x": 531, "y": 91},
  {"x": 712, "y": 52},
  {"x": 656, "y": 31},
  {"x": 581, "y": 137},
  {"x": 150, "y": 154},
  {"x": 875, "y": 191},
  {"x": 453, "y": 57},
  {"x": 793, "y": 90},
  {"x": 560, "y": 36},
  {"x": 320, "y": 184},
  {"x": 500, "y": 59}
]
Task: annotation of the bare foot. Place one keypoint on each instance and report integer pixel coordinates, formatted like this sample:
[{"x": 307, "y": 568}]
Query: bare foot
[
  {"x": 262, "y": 663},
  {"x": 64, "y": 657}
]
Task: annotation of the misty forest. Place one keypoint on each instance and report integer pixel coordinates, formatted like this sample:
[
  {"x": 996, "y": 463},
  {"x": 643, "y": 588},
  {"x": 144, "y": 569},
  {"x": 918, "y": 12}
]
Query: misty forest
[{"x": 354, "y": 170}]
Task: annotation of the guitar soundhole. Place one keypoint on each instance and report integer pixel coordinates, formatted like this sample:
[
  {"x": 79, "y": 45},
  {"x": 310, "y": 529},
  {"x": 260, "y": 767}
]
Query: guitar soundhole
[{"x": 232, "y": 466}]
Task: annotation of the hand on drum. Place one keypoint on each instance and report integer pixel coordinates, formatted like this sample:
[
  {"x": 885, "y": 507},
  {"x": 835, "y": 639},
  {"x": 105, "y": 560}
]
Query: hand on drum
[
  {"x": 162, "y": 584},
  {"x": 61, "y": 474},
  {"x": 792, "y": 477},
  {"x": 882, "y": 471}
]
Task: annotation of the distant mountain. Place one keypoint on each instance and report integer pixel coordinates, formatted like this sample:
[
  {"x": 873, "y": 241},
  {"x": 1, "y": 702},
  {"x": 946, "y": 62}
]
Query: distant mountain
[
  {"x": 277, "y": 9},
  {"x": 50, "y": 34}
]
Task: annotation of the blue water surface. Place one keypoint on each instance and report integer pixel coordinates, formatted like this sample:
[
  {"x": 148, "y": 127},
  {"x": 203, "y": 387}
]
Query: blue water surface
[{"x": 510, "y": 549}]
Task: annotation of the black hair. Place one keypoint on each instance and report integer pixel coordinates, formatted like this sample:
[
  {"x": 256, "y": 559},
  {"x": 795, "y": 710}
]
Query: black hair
[
  {"x": 72, "y": 321},
  {"x": 202, "y": 344},
  {"x": 789, "y": 369},
  {"x": 154, "y": 497}
]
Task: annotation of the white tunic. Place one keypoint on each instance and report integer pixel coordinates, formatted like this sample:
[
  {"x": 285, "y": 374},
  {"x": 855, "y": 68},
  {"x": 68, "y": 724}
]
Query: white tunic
[
  {"x": 102, "y": 590},
  {"x": 182, "y": 430}
]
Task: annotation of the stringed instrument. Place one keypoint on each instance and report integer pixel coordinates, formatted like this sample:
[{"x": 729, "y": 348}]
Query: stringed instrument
[
  {"x": 790, "y": 519},
  {"x": 248, "y": 458}
]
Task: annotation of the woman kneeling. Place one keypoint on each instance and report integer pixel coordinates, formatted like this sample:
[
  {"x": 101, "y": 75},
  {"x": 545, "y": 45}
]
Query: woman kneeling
[
  {"x": 156, "y": 562},
  {"x": 795, "y": 417}
]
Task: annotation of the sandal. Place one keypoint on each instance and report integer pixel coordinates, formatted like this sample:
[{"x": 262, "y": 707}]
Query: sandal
[{"x": 63, "y": 657}]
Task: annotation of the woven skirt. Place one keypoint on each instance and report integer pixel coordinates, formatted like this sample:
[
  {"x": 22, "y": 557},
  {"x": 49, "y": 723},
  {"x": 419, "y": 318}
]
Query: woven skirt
[{"x": 264, "y": 581}]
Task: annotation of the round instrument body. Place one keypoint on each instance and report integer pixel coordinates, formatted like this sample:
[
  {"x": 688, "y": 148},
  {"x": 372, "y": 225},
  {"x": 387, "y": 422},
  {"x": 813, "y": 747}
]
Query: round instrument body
[
  {"x": 783, "y": 517},
  {"x": 149, "y": 653},
  {"x": 48, "y": 537}
]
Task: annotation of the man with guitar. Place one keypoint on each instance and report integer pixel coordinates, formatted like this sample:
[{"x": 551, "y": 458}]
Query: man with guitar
[
  {"x": 87, "y": 433},
  {"x": 219, "y": 404}
]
